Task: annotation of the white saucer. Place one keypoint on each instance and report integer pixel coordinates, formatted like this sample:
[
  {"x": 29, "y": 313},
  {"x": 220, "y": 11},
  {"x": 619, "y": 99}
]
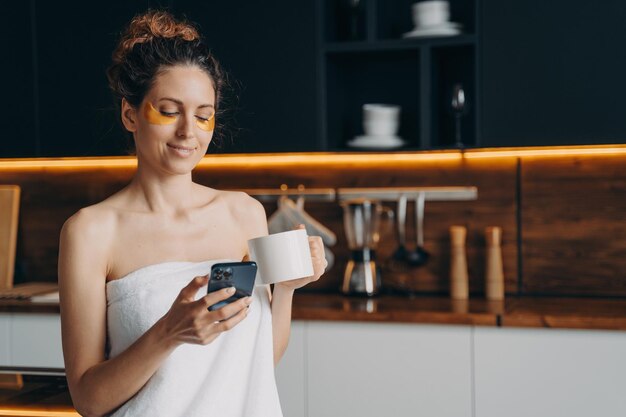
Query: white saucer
[
  {"x": 376, "y": 142},
  {"x": 444, "y": 29}
]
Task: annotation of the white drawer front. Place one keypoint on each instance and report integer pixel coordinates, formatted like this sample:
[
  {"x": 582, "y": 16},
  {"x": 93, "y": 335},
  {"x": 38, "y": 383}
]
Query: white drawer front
[
  {"x": 366, "y": 369},
  {"x": 5, "y": 345},
  {"x": 35, "y": 341},
  {"x": 550, "y": 372}
]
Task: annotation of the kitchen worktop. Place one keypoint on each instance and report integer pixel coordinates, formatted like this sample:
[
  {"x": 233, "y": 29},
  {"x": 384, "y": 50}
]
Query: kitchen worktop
[{"x": 571, "y": 313}]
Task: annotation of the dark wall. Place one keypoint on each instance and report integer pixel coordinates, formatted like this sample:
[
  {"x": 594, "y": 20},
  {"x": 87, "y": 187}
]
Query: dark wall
[
  {"x": 17, "y": 108},
  {"x": 58, "y": 102},
  {"x": 55, "y": 56},
  {"x": 553, "y": 72},
  {"x": 73, "y": 49},
  {"x": 269, "y": 50}
]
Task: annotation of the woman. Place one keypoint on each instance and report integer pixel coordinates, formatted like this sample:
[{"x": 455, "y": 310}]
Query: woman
[{"x": 138, "y": 339}]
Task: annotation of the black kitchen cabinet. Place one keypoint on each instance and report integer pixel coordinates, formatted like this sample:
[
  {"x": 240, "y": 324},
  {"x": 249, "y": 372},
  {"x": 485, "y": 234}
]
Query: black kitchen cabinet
[
  {"x": 59, "y": 53},
  {"x": 553, "y": 72},
  {"x": 534, "y": 73},
  {"x": 77, "y": 116},
  {"x": 58, "y": 100},
  {"x": 18, "y": 112},
  {"x": 365, "y": 59},
  {"x": 268, "y": 48}
]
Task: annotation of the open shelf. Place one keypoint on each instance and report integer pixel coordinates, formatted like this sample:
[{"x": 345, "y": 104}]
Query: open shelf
[
  {"x": 399, "y": 44},
  {"x": 375, "y": 20},
  {"x": 451, "y": 66},
  {"x": 387, "y": 77},
  {"x": 363, "y": 58},
  {"x": 393, "y": 18}
]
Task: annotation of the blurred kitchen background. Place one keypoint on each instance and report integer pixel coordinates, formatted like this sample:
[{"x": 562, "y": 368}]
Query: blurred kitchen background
[{"x": 518, "y": 105}]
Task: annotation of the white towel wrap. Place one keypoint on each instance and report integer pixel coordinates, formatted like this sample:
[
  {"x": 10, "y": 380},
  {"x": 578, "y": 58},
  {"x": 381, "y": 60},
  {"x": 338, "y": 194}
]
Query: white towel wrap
[{"x": 232, "y": 376}]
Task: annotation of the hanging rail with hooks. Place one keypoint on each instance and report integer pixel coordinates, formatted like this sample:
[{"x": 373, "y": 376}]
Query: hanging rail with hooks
[
  {"x": 310, "y": 194},
  {"x": 375, "y": 193},
  {"x": 394, "y": 193}
]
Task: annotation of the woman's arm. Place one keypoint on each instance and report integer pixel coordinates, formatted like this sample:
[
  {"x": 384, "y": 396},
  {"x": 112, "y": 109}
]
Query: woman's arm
[
  {"x": 281, "y": 320},
  {"x": 282, "y": 296},
  {"x": 99, "y": 386}
]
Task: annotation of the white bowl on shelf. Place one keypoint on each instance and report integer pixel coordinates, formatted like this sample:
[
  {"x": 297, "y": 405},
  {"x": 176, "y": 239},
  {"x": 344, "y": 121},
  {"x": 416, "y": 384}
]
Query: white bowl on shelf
[
  {"x": 377, "y": 142},
  {"x": 445, "y": 29}
]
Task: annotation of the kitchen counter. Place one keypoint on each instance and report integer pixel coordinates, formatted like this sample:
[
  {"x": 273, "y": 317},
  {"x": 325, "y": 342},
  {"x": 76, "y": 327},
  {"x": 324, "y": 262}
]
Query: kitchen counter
[
  {"x": 395, "y": 309},
  {"x": 569, "y": 313},
  {"x": 566, "y": 313},
  {"x": 21, "y": 306}
]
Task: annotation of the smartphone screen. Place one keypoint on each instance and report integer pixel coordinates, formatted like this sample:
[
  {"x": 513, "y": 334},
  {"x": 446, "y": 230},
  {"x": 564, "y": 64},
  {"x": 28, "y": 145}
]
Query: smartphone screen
[{"x": 232, "y": 274}]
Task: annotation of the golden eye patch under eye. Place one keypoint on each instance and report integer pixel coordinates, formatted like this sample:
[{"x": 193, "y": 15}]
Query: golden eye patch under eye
[
  {"x": 155, "y": 117},
  {"x": 206, "y": 124}
]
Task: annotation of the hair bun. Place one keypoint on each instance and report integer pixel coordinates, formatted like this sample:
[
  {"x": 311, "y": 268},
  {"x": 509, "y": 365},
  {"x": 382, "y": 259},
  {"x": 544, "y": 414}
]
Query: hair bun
[{"x": 150, "y": 25}]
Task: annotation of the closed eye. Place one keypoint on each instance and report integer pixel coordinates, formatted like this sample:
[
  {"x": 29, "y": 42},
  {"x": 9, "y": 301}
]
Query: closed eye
[{"x": 169, "y": 114}]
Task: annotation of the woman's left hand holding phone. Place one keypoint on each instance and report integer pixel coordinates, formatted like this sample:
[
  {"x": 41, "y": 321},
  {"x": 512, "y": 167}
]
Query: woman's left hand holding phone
[{"x": 189, "y": 321}]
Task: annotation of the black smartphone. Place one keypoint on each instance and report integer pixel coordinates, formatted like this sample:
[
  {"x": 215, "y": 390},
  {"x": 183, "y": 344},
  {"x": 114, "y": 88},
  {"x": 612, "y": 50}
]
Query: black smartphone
[{"x": 232, "y": 274}]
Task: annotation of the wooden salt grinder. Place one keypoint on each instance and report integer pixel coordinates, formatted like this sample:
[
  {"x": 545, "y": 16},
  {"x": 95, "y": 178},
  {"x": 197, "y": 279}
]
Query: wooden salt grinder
[
  {"x": 494, "y": 273},
  {"x": 459, "y": 286}
]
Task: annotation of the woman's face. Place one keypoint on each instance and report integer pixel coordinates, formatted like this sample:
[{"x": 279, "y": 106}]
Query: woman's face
[{"x": 174, "y": 124}]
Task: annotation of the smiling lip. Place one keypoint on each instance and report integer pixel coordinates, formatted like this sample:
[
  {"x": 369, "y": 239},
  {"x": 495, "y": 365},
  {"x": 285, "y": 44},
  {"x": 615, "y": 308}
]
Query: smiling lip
[
  {"x": 182, "y": 148},
  {"x": 182, "y": 151}
]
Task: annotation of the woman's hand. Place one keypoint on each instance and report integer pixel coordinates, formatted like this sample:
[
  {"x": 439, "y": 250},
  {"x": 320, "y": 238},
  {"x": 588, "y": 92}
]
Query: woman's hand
[
  {"x": 318, "y": 258},
  {"x": 189, "y": 321}
]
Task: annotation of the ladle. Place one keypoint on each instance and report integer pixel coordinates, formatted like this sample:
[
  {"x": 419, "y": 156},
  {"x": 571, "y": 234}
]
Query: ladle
[{"x": 419, "y": 256}]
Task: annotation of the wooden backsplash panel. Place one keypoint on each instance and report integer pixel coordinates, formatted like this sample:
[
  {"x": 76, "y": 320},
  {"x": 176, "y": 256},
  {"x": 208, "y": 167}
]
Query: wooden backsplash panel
[
  {"x": 496, "y": 206},
  {"x": 49, "y": 197},
  {"x": 574, "y": 225}
]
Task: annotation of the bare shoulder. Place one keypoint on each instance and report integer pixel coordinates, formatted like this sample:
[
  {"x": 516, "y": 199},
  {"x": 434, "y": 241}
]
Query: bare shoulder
[
  {"x": 92, "y": 222},
  {"x": 247, "y": 211},
  {"x": 89, "y": 233},
  {"x": 98, "y": 220}
]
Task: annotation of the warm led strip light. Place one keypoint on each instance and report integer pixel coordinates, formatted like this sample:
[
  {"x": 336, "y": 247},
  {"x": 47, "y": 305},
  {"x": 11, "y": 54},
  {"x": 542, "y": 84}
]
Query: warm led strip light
[
  {"x": 546, "y": 152},
  {"x": 36, "y": 413},
  {"x": 230, "y": 161},
  {"x": 38, "y": 163},
  {"x": 323, "y": 159}
]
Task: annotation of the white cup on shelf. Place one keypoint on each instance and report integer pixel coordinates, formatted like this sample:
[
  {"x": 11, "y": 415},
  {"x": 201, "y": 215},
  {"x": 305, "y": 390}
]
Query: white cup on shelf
[
  {"x": 381, "y": 119},
  {"x": 430, "y": 13}
]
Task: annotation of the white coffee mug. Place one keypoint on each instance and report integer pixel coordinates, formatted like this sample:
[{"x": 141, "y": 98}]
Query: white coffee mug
[{"x": 281, "y": 256}]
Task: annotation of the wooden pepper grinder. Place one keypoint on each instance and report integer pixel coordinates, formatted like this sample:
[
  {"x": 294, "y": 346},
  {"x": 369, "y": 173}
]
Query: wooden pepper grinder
[
  {"x": 459, "y": 286},
  {"x": 494, "y": 272}
]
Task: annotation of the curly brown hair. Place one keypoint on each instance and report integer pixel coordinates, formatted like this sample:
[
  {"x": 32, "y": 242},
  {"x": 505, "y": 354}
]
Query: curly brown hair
[
  {"x": 152, "y": 42},
  {"x": 147, "y": 26}
]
